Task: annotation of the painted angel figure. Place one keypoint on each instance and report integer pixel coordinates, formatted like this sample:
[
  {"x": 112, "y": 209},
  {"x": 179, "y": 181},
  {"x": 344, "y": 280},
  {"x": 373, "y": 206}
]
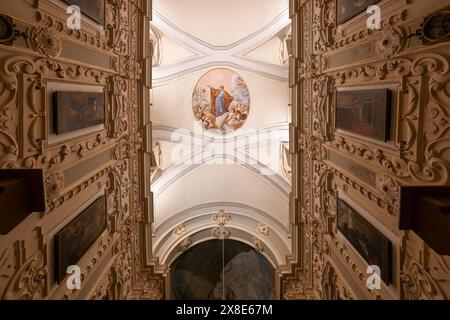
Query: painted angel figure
[{"x": 220, "y": 101}]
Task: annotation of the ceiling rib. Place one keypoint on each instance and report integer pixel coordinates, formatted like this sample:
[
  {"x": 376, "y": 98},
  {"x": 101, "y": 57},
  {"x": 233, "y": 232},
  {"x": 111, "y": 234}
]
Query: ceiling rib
[{"x": 233, "y": 55}]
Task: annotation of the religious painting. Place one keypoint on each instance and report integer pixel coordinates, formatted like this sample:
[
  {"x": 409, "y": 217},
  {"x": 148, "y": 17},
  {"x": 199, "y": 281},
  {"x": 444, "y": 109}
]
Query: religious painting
[
  {"x": 94, "y": 9},
  {"x": 72, "y": 242},
  {"x": 78, "y": 110},
  {"x": 347, "y": 9},
  {"x": 222, "y": 269},
  {"x": 366, "y": 113},
  {"x": 371, "y": 244},
  {"x": 221, "y": 101}
]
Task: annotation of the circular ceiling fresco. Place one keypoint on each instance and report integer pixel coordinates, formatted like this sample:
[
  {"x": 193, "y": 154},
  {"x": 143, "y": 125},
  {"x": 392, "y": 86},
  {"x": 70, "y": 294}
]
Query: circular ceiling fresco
[{"x": 221, "y": 101}]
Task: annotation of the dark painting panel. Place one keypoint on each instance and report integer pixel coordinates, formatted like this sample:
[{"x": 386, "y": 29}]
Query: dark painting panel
[
  {"x": 94, "y": 9},
  {"x": 199, "y": 273},
  {"x": 366, "y": 113},
  {"x": 347, "y": 9},
  {"x": 72, "y": 242},
  {"x": 373, "y": 246},
  {"x": 78, "y": 110}
]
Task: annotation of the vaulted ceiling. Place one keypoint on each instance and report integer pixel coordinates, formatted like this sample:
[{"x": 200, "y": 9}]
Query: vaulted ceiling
[
  {"x": 242, "y": 34},
  {"x": 244, "y": 175},
  {"x": 218, "y": 22}
]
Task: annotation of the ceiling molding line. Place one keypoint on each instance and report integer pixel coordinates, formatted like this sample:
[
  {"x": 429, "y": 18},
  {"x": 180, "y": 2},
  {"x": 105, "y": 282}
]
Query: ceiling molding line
[
  {"x": 247, "y": 51},
  {"x": 278, "y": 259},
  {"x": 208, "y": 208},
  {"x": 209, "y": 56},
  {"x": 244, "y": 216},
  {"x": 262, "y": 36},
  {"x": 247, "y": 59},
  {"x": 279, "y": 73},
  {"x": 165, "y": 133},
  {"x": 273, "y": 27},
  {"x": 171, "y": 175},
  {"x": 179, "y": 35},
  {"x": 245, "y": 219}
]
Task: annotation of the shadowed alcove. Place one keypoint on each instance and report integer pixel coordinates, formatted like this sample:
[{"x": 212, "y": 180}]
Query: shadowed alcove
[{"x": 198, "y": 273}]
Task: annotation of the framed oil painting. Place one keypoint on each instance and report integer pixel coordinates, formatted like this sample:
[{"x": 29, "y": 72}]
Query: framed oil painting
[
  {"x": 72, "y": 242},
  {"x": 94, "y": 9},
  {"x": 77, "y": 110},
  {"x": 366, "y": 113},
  {"x": 347, "y": 9},
  {"x": 221, "y": 101},
  {"x": 371, "y": 244}
]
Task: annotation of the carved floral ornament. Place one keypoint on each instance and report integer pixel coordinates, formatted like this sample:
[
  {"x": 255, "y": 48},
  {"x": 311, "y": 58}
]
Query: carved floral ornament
[
  {"x": 391, "y": 42},
  {"x": 259, "y": 245},
  {"x": 54, "y": 184},
  {"x": 221, "y": 233},
  {"x": 30, "y": 282},
  {"x": 417, "y": 284},
  {"x": 179, "y": 230},
  {"x": 389, "y": 188},
  {"x": 152, "y": 289},
  {"x": 221, "y": 218},
  {"x": 60, "y": 26},
  {"x": 424, "y": 278},
  {"x": 263, "y": 229},
  {"x": 324, "y": 24},
  {"x": 313, "y": 67},
  {"x": 185, "y": 244},
  {"x": 46, "y": 42},
  {"x": 393, "y": 39}
]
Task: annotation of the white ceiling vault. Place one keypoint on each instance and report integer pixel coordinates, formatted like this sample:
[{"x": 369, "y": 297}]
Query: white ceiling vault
[
  {"x": 219, "y": 22},
  {"x": 243, "y": 173},
  {"x": 236, "y": 54}
]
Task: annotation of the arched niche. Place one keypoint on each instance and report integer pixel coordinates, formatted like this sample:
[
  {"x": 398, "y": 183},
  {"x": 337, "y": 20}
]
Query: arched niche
[{"x": 217, "y": 268}]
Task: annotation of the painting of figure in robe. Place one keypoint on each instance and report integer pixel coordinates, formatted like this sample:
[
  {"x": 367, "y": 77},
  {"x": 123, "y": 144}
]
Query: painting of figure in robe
[{"x": 221, "y": 101}]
